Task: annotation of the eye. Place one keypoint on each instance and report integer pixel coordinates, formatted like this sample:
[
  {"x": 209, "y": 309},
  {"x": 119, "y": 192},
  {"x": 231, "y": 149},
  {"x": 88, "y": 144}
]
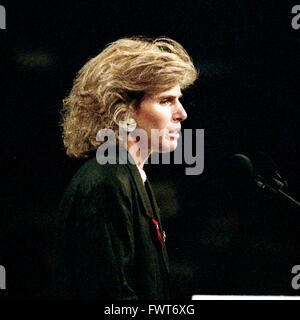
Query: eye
[{"x": 164, "y": 102}]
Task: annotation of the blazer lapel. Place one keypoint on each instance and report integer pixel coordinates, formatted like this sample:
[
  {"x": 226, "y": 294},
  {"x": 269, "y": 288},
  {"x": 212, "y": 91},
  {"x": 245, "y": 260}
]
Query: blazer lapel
[
  {"x": 142, "y": 190},
  {"x": 157, "y": 210},
  {"x": 125, "y": 157}
]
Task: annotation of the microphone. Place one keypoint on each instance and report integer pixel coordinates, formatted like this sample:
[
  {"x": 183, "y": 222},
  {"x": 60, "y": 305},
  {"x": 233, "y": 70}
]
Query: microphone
[
  {"x": 239, "y": 171},
  {"x": 263, "y": 172}
]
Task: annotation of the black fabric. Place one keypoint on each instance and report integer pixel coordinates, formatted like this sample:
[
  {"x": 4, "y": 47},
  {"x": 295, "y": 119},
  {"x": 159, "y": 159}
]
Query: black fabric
[{"x": 107, "y": 246}]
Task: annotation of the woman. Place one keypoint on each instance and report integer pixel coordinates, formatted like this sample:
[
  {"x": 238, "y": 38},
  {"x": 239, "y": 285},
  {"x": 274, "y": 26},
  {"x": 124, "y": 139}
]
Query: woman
[{"x": 112, "y": 245}]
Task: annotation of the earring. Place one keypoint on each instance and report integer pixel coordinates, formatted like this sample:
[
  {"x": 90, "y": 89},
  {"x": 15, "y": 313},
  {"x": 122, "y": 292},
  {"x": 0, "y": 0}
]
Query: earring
[{"x": 130, "y": 125}]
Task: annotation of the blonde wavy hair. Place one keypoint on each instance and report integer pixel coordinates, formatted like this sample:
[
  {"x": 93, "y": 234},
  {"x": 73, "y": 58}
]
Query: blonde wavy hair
[{"x": 109, "y": 87}]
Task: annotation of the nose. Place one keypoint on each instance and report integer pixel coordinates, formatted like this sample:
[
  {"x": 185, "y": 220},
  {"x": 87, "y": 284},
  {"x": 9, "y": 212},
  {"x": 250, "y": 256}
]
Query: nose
[{"x": 180, "y": 113}]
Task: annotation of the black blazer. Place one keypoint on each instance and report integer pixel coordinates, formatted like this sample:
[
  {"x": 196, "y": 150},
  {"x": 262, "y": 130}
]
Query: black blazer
[{"x": 108, "y": 244}]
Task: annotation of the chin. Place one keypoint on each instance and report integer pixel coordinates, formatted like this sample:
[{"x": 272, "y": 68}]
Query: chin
[{"x": 171, "y": 146}]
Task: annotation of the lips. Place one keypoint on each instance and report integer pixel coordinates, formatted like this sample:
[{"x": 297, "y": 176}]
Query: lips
[{"x": 174, "y": 133}]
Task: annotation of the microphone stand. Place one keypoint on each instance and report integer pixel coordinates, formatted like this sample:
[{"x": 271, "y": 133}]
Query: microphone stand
[
  {"x": 289, "y": 197},
  {"x": 275, "y": 186}
]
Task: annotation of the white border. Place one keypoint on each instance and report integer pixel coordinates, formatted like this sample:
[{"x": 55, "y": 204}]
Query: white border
[{"x": 242, "y": 297}]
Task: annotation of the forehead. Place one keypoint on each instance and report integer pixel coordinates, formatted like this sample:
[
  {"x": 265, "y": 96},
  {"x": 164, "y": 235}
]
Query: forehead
[{"x": 173, "y": 91}]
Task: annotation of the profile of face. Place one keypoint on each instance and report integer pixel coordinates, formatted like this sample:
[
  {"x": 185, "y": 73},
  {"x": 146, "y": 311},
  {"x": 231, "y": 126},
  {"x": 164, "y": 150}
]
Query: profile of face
[{"x": 160, "y": 115}]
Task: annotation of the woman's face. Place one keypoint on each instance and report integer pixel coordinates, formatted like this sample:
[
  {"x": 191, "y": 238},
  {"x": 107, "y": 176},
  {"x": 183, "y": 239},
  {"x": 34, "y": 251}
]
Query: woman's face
[{"x": 159, "y": 115}]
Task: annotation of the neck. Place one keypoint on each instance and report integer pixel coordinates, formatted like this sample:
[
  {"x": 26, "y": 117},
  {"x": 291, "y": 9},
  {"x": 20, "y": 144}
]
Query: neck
[{"x": 139, "y": 152}]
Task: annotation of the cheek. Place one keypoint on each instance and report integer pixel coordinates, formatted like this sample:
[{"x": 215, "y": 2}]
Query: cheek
[
  {"x": 159, "y": 119},
  {"x": 153, "y": 116}
]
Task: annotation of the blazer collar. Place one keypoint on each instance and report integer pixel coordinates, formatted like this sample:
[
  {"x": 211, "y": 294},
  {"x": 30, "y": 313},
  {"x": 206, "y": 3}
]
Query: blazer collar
[
  {"x": 119, "y": 155},
  {"x": 125, "y": 157}
]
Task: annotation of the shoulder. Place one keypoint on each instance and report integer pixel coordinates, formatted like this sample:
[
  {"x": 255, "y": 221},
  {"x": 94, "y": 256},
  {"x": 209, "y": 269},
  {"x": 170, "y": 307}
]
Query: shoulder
[
  {"x": 93, "y": 176},
  {"x": 95, "y": 184}
]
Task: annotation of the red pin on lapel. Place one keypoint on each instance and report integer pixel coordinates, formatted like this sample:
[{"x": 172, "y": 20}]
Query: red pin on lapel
[{"x": 158, "y": 232}]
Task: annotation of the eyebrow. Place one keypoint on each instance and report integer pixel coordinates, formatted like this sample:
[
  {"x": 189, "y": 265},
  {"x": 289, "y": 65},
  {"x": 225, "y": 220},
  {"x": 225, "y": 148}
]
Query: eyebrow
[{"x": 168, "y": 96}]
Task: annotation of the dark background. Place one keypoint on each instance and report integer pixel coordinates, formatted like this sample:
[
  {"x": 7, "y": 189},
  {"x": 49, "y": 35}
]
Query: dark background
[{"x": 221, "y": 239}]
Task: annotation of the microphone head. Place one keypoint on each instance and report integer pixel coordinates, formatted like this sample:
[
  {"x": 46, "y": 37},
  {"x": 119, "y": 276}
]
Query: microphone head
[
  {"x": 241, "y": 173},
  {"x": 238, "y": 172},
  {"x": 243, "y": 164},
  {"x": 240, "y": 167}
]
